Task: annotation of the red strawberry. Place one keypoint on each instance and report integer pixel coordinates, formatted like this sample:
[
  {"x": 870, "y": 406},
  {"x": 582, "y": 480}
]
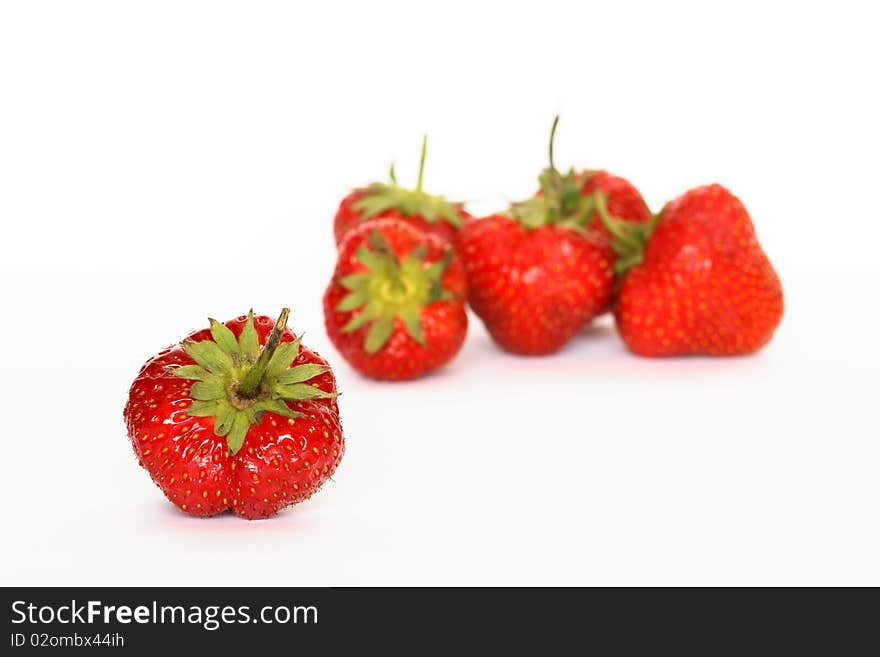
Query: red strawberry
[
  {"x": 539, "y": 273},
  {"x": 535, "y": 288},
  {"x": 432, "y": 214},
  {"x": 395, "y": 305},
  {"x": 703, "y": 284},
  {"x": 239, "y": 416}
]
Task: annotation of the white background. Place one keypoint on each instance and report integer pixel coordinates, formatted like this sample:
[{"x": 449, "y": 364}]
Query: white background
[{"x": 161, "y": 162}]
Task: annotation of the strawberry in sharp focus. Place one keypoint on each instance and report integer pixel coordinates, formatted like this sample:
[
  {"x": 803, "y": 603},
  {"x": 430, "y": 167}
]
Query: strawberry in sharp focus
[
  {"x": 540, "y": 272},
  {"x": 432, "y": 214},
  {"x": 239, "y": 416},
  {"x": 395, "y": 305},
  {"x": 701, "y": 284}
]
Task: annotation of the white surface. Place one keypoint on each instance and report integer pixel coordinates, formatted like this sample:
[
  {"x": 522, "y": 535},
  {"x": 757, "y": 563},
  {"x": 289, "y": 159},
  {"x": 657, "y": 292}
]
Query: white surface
[{"x": 165, "y": 162}]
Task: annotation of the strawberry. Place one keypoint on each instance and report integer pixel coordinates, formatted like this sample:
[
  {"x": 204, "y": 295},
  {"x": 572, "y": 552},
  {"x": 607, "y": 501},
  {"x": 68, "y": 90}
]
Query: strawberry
[
  {"x": 395, "y": 305},
  {"x": 432, "y": 214},
  {"x": 540, "y": 272},
  {"x": 239, "y": 416},
  {"x": 701, "y": 284}
]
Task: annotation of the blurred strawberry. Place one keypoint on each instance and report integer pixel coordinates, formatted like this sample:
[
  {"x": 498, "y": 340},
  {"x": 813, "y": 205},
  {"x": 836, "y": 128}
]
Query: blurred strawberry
[
  {"x": 395, "y": 305},
  {"x": 432, "y": 214},
  {"x": 700, "y": 283}
]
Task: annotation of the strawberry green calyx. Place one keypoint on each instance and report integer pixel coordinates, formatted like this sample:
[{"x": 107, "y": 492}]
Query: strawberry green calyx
[
  {"x": 236, "y": 381},
  {"x": 381, "y": 197},
  {"x": 630, "y": 238},
  {"x": 391, "y": 288},
  {"x": 560, "y": 201}
]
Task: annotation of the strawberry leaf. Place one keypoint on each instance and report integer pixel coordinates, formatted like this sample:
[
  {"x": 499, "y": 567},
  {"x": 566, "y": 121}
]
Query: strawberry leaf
[
  {"x": 224, "y": 338},
  {"x": 378, "y": 334},
  {"x": 248, "y": 341},
  {"x": 301, "y": 373},
  {"x": 208, "y": 390},
  {"x": 276, "y": 406},
  {"x": 201, "y": 408},
  {"x": 195, "y": 372},
  {"x": 302, "y": 391},
  {"x": 362, "y": 318},
  {"x": 283, "y": 357},
  {"x": 237, "y": 432},
  {"x": 413, "y": 324},
  {"x": 352, "y": 301},
  {"x": 223, "y": 421},
  {"x": 209, "y": 356},
  {"x": 354, "y": 281}
]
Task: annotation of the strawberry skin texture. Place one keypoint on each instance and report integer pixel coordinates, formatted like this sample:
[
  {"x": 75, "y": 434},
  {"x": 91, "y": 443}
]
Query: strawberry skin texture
[
  {"x": 282, "y": 461},
  {"x": 444, "y": 322},
  {"x": 704, "y": 285},
  {"x": 535, "y": 288},
  {"x": 348, "y": 217}
]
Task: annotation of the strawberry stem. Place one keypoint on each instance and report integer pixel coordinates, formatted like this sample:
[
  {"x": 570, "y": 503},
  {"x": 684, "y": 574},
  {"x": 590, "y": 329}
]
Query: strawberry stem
[
  {"x": 422, "y": 163},
  {"x": 552, "y": 138},
  {"x": 614, "y": 225},
  {"x": 253, "y": 380}
]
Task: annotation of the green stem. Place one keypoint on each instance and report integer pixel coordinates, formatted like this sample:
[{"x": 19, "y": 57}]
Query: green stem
[
  {"x": 552, "y": 138},
  {"x": 614, "y": 225},
  {"x": 422, "y": 163},
  {"x": 253, "y": 380}
]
